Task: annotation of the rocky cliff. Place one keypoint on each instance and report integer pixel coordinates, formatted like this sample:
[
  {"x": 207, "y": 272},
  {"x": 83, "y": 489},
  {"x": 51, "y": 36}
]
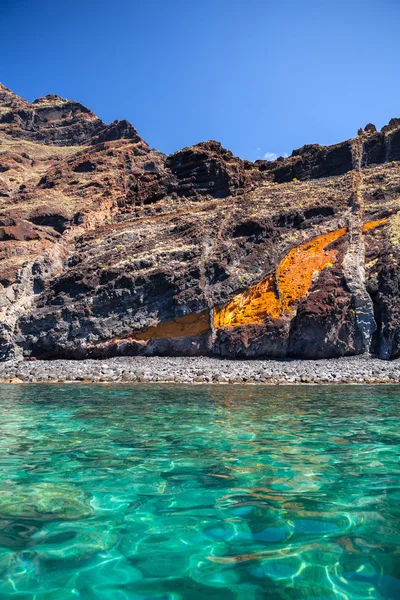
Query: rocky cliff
[{"x": 108, "y": 247}]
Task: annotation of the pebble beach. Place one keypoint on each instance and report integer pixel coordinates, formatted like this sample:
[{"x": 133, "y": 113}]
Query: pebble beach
[{"x": 198, "y": 370}]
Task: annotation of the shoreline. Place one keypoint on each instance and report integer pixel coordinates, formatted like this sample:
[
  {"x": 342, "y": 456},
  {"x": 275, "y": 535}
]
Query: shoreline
[{"x": 198, "y": 370}]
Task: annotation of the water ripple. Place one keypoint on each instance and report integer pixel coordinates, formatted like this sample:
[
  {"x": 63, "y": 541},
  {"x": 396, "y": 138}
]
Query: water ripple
[{"x": 181, "y": 493}]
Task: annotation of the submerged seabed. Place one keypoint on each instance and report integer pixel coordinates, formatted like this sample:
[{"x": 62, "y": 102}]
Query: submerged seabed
[{"x": 169, "y": 493}]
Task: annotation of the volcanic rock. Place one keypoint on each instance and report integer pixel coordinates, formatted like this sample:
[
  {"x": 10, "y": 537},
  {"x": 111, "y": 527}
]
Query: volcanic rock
[{"x": 110, "y": 248}]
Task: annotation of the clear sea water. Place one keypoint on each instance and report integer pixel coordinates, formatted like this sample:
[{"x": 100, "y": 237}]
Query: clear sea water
[{"x": 199, "y": 493}]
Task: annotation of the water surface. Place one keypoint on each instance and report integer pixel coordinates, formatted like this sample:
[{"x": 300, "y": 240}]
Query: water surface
[{"x": 206, "y": 492}]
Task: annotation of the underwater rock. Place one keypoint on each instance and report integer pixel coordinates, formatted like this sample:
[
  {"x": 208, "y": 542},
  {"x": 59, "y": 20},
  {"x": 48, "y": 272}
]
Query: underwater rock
[{"x": 44, "y": 501}]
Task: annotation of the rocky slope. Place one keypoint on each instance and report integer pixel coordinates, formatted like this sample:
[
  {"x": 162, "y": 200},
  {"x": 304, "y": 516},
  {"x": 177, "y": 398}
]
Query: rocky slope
[{"x": 108, "y": 247}]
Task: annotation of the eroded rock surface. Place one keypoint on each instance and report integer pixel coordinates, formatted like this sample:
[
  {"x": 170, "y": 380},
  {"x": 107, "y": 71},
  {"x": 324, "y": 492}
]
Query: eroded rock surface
[{"x": 108, "y": 247}]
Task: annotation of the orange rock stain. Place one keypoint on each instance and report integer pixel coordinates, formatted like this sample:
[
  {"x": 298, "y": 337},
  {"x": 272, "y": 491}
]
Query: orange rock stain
[
  {"x": 187, "y": 326},
  {"x": 372, "y": 224},
  {"x": 276, "y": 295},
  {"x": 252, "y": 306},
  {"x": 296, "y": 271}
]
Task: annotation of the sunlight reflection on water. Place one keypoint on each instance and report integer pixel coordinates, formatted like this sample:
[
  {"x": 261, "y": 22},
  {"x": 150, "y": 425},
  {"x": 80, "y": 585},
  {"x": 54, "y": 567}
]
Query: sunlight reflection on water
[{"x": 178, "y": 493}]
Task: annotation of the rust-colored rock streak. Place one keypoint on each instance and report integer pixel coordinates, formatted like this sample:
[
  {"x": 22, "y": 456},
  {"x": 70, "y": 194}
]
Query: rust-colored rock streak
[
  {"x": 252, "y": 306},
  {"x": 372, "y": 224},
  {"x": 276, "y": 295},
  {"x": 188, "y": 326},
  {"x": 293, "y": 279},
  {"x": 296, "y": 271}
]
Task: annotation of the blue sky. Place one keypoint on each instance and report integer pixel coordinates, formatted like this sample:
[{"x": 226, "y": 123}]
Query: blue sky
[{"x": 263, "y": 77}]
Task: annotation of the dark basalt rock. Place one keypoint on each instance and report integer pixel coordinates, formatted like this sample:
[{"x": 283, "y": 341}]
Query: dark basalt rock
[
  {"x": 393, "y": 124},
  {"x": 252, "y": 341},
  {"x": 383, "y": 146},
  {"x": 206, "y": 169},
  {"x": 313, "y": 161},
  {"x": 119, "y": 130},
  {"x": 374, "y": 150},
  {"x": 393, "y": 143},
  {"x": 325, "y": 323},
  {"x": 386, "y": 299},
  {"x": 370, "y": 128},
  {"x": 48, "y": 120}
]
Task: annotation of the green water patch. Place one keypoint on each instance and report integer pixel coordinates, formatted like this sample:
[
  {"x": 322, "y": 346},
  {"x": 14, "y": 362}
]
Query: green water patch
[
  {"x": 192, "y": 493},
  {"x": 44, "y": 501}
]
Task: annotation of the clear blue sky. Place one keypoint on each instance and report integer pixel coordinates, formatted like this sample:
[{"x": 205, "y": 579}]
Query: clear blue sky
[{"x": 260, "y": 76}]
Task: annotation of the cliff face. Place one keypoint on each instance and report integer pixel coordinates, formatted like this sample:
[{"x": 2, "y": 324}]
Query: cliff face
[{"x": 108, "y": 247}]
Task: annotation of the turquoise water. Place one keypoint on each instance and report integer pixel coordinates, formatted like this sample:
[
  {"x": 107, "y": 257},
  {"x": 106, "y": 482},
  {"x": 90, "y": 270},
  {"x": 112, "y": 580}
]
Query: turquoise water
[{"x": 192, "y": 493}]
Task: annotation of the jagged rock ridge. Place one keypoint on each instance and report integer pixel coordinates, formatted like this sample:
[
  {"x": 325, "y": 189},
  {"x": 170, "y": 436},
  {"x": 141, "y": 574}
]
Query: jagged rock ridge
[{"x": 109, "y": 247}]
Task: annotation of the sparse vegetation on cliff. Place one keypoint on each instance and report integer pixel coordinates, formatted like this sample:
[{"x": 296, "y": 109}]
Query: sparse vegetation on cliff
[{"x": 108, "y": 247}]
